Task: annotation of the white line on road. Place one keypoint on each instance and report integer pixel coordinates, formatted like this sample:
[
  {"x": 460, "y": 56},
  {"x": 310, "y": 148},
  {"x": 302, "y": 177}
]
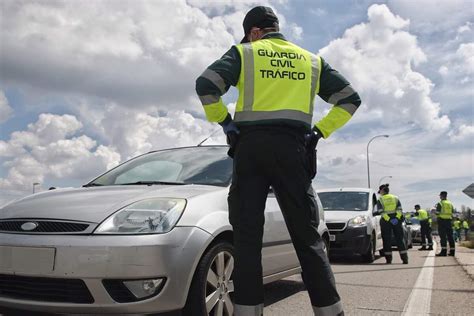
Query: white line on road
[{"x": 419, "y": 302}]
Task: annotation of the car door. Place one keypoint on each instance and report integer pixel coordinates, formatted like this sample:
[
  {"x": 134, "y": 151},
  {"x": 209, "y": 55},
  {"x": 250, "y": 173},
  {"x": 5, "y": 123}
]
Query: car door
[
  {"x": 378, "y": 230},
  {"x": 278, "y": 253}
]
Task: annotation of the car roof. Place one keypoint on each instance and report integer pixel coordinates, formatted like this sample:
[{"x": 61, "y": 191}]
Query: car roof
[{"x": 346, "y": 190}]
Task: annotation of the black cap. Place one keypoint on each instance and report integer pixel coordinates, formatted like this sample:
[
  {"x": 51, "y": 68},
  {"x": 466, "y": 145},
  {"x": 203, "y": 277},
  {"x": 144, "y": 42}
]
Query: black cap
[
  {"x": 417, "y": 206},
  {"x": 383, "y": 187},
  {"x": 260, "y": 17},
  {"x": 444, "y": 193}
]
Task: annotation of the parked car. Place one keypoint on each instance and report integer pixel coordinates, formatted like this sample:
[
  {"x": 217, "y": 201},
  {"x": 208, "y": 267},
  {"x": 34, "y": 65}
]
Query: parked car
[
  {"x": 353, "y": 228},
  {"x": 415, "y": 229},
  {"x": 149, "y": 236}
]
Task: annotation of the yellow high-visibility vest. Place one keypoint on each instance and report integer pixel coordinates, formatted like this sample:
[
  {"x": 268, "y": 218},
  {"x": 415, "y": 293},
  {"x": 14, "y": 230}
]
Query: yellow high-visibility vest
[
  {"x": 261, "y": 97},
  {"x": 446, "y": 209},
  {"x": 389, "y": 203},
  {"x": 422, "y": 215}
]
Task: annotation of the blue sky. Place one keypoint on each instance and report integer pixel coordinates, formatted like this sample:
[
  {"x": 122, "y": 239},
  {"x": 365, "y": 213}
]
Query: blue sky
[{"x": 86, "y": 86}]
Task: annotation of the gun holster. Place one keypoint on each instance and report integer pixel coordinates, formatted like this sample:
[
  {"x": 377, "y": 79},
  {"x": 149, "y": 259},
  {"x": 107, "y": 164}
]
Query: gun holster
[
  {"x": 311, "y": 155},
  {"x": 232, "y": 139}
]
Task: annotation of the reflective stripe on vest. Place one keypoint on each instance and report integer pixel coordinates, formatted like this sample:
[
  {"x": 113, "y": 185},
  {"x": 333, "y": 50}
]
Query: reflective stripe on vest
[
  {"x": 389, "y": 203},
  {"x": 446, "y": 209},
  {"x": 278, "y": 80}
]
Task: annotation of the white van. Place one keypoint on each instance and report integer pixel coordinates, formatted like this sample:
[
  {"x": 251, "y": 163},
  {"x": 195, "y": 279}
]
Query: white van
[{"x": 353, "y": 228}]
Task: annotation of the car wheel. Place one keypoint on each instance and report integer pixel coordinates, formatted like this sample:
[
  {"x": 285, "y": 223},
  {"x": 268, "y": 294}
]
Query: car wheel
[
  {"x": 326, "y": 246},
  {"x": 369, "y": 257},
  {"x": 212, "y": 287}
]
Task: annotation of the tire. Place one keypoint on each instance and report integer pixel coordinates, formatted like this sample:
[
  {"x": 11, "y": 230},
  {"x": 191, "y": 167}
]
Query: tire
[
  {"x": 212, "y": 283},
  {"x": 326, "y": 245},
  {"x": 369, "y": 256}
]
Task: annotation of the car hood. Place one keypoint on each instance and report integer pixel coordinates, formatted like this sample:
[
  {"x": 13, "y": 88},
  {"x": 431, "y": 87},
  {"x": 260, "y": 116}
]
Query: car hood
[
  {"x": 93, "y": 204},
  {"x": 341, "y": 216}
]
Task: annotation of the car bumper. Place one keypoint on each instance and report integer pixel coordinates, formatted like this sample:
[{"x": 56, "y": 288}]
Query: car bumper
[
  {"x": 94, "y": 258},
  {"x": 350, "y": 241}
]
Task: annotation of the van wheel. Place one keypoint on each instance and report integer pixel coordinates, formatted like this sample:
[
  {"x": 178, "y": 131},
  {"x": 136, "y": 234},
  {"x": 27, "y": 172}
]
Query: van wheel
[
  {"x": 369, "y": 256},
  {"x": 212, "y": 288}
]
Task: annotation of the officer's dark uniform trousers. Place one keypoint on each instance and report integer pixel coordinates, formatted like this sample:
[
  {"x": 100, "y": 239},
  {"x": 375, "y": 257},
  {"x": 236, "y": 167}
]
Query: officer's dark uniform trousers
[
  {"x": 426, "y": 233},
  {"x": 275, "y": 156},
  {"x": 387, "y": 228},
  {"x": 445, "y": 230}
]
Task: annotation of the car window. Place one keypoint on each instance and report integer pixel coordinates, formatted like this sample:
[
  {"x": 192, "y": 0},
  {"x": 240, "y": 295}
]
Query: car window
[
  {"x": 193, "y": 165},
  {"x": 168, "y": 171},
  {"x": 344, "y": 201}
]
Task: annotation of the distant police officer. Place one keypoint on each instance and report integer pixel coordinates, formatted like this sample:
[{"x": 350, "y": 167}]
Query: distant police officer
[
  {"x": 425, "y": 223},
  {"x": 277, "y": 82},
  {"x": 465, "y": 226},
  {"x": 444, "y": 211},
  {"x": 457, "y": 229},
  {"x": 392, "y": 218}
]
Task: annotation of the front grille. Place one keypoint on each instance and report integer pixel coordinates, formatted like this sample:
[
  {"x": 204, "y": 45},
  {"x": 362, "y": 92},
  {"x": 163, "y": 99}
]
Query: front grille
[
  {"x": 43, "y": 226},
  {"x": 336, "y": 226},
  {"x": 45, "y": 289}
]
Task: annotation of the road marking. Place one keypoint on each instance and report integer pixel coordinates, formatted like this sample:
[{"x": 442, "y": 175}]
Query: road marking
[{"x": 419, "y": 301}]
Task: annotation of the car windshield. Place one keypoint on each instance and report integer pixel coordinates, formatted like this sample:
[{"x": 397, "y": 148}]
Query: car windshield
[
  {"x": 193, "y": 165},
  {"x": 414, "y": 220},
  {"x": 344, "y": 201}
]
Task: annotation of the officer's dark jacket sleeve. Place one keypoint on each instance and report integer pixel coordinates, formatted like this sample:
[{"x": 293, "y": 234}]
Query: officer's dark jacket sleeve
[
  {"x": 438, "y": 208},
  {"x": 335, "y": 89},
  {"x": 215, "y": 81}
]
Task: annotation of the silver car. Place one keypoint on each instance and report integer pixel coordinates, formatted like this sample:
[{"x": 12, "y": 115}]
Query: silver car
[{"x": 149, "y": 236}]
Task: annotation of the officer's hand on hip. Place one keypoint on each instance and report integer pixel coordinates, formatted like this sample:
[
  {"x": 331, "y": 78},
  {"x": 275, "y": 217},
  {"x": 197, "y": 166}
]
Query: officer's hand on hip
[{"x": 231, "y": 131}]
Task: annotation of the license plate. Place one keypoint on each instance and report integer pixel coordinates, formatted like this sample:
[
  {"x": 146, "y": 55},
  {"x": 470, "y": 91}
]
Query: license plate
[
  {"x": 27, "y": 259},
  {"x": 332, "y": 237}
]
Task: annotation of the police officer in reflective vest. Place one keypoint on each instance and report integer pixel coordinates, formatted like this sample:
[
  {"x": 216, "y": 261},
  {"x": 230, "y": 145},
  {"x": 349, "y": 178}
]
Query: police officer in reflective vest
[
  {"x": 391, "y": 222},
  {"x": 273, "y": 141},
  {"x": 444, "y": 211},
  {"x": 425, "y": 223},
  {"x": 465, "y": 226}
]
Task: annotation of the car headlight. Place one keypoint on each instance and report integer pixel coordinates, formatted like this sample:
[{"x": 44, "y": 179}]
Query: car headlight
[
  {"x": 152, "y": 216},
  {"x": 360, "y": 220}
]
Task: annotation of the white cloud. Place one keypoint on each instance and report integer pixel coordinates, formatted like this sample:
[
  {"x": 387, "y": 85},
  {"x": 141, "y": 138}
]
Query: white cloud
[
  {"x": 464, "y": 132},
  {"x": 378, "y": 59},
  {"x": 296, "y": 32},
  {"x": 465, "y": 28},
  {"x": 137, "y": 132},
  {"x": 5, "y": 109},
  {"x": 48, "y": 151}
]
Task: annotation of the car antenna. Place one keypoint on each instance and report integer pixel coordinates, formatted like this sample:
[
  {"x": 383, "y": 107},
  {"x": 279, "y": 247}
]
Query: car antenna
[{"x": 217, "y": 129}]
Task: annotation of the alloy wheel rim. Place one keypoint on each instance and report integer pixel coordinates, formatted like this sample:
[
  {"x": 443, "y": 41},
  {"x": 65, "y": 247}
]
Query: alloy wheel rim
[{"x": 219, "y": 285}]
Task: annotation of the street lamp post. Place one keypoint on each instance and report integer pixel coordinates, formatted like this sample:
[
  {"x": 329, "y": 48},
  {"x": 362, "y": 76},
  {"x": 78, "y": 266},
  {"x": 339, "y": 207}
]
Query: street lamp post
[
  {"x": 380, "y": 181},
  {"x": 35, "y": 184},
  {"x": 368, "y": 166}
]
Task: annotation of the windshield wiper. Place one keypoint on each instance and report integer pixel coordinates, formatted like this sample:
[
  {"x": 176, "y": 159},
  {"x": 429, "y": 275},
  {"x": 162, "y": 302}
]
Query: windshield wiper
[
  {"x": 92, "y": 184},
  {"x": 153, "y": 182}
]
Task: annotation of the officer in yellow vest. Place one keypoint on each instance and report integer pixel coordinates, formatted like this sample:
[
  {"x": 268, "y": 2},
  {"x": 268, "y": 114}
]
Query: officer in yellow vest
[
  {"x": 425, "y": 223},
  {"x": 273, "y": 141},
  {"x": 457, "y": 229},
  {"x": 444, "y": 211},
  {"x": 465, "y": 226},
  {"x": 391, "y": 221}
]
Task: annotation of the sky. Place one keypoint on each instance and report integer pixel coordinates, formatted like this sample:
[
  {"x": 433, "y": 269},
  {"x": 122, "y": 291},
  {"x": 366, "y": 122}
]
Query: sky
[{"x": 85, "y": 85}]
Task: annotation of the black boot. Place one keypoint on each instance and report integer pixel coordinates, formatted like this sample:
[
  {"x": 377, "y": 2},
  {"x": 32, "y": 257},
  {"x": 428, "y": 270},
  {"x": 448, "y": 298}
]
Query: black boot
[
  {"x": 388, "y": 259},
  {"x": 451, "y": 252},
  {"x": 422, "y": 248},
  {"x": 404, "y": 257},
  {"x": 442, "y": 253},
  {"x": 430, "y": 248}
]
